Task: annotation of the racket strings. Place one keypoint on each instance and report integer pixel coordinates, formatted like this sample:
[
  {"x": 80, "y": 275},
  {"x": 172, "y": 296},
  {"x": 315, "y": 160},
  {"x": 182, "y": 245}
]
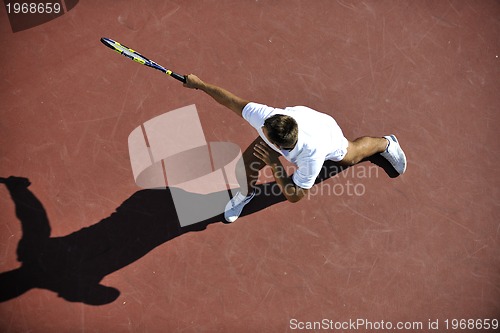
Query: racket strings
[
  {"x": 129, "y": 53},
  {"x": 134, "y": 56},
  {"x": 137, "y": 57}
]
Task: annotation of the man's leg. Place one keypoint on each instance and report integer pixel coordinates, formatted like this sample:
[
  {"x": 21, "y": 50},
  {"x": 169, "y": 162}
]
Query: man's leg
[
  {"x": 252, "y": 167},
  {"x": 247, "y": 183},
  {"x": 362, "y": 148}
]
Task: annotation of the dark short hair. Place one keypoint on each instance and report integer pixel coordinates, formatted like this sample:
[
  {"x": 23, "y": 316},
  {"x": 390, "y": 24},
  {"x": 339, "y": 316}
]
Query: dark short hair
[{"x": 282, "y": 129}]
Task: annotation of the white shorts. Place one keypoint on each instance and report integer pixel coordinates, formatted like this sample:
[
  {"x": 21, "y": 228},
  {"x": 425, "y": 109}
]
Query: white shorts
[{"x": 339, "y": 153}]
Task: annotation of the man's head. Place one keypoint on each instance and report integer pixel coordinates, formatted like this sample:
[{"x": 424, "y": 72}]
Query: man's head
[{"x": 282, "y": 131}]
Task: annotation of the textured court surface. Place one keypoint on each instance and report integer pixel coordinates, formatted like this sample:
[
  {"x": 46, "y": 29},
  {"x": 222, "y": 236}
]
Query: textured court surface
[{"x": 419, "y": 247}]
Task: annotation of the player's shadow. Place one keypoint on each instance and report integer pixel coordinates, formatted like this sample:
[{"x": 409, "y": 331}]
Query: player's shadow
[{"x": 73, "y": 265}]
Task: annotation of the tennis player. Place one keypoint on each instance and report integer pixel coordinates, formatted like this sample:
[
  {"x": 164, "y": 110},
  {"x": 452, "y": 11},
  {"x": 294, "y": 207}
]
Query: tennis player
[{"x": 301, "y": 135}]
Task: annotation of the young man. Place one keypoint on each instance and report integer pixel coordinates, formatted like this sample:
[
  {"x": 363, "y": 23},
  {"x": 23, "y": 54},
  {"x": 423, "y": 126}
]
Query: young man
[{"x": 303, "y": 136}]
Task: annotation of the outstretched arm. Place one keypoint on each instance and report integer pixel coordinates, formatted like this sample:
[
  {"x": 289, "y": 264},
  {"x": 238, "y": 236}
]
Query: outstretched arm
[{"x": 221, "y": 95}]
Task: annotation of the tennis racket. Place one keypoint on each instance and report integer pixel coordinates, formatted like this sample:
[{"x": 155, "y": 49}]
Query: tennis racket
[{"x": 137, "y": 57}]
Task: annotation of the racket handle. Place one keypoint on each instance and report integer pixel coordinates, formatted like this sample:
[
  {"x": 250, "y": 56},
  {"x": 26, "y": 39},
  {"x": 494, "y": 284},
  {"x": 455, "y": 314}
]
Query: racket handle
[{"x": 179, "y": 77}]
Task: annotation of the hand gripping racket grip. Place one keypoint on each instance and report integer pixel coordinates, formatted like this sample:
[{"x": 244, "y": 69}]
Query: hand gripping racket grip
[{"x": 179, "y": 77}]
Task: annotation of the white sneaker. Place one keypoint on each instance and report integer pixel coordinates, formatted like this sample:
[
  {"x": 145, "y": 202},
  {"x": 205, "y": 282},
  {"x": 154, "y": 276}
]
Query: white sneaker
[
  {"x": 394, "y": 154},
  {"x": 235, "y": 206}
]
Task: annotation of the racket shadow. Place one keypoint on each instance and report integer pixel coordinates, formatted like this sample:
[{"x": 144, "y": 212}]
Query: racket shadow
[{"x": 74, "y": 265}]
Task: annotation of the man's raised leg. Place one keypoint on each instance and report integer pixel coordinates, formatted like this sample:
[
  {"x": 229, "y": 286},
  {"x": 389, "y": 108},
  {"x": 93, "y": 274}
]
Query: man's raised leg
[{"x": 247, "y": 183}]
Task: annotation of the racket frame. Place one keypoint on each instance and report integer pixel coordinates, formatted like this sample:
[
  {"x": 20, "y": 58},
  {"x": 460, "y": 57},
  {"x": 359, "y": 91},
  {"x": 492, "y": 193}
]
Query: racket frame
[{"x": 139, "y": 58}]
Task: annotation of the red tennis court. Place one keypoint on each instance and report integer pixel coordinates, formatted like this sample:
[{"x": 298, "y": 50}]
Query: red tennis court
[{"x": 84, "y": 249}]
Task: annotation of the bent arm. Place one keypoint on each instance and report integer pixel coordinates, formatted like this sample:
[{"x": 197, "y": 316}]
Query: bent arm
[
  {"x": 292, "y": 192},
  {"x": 221, "y": 95}
]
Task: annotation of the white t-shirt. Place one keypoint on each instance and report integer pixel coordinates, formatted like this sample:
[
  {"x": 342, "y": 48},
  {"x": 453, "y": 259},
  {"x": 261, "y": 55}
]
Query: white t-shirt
[{"x": 320, "y": 138}]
